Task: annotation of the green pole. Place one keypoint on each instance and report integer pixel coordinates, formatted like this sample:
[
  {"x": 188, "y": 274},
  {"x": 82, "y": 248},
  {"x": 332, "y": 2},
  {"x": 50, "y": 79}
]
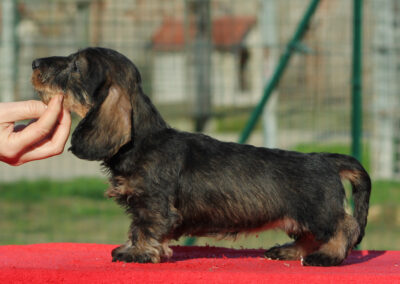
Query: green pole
[
  {"x": 356, "y": 131},
  {"x": 284, "y": 60}
]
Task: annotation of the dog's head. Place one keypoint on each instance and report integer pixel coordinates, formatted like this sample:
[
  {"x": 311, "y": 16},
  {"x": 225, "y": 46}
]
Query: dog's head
[{"x": 104, "y": 88}]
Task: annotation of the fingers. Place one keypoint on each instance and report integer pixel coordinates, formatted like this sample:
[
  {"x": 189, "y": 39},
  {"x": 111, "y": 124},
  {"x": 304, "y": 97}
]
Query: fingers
[
  {"x": 62, "y": 131},
  {"x": 40, "y": 139},
  {"x": 14, "y": 111},
  {"x": 52, "y": 146},
  {"x": 38, "y": 130}
]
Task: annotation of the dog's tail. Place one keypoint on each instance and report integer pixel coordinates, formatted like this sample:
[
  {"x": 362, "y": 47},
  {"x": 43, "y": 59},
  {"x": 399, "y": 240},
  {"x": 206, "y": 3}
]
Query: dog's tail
[{"x": 349, "y": 168}]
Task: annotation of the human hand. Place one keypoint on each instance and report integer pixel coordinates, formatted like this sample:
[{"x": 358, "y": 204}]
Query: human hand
[{"x": 40, "y": 139}]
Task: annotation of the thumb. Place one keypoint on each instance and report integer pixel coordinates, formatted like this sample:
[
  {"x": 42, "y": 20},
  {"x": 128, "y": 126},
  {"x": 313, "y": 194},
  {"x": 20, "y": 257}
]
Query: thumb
[{"x": 38, "y": 130}]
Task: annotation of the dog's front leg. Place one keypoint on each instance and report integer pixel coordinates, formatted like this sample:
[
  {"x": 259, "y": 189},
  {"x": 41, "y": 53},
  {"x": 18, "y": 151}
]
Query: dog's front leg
[{"x": 149, "y": 235}]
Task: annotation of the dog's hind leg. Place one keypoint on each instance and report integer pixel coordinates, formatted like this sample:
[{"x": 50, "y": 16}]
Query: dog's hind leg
[{"x": 336, "y": 249}]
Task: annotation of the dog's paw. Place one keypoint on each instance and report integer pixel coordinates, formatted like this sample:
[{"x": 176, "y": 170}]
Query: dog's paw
[
  {"x": 287, "y": 251},
  {"x": 130, "y": 254},
  {"x": 274, "y": 253},
  {"x": 320, "y": 259}
]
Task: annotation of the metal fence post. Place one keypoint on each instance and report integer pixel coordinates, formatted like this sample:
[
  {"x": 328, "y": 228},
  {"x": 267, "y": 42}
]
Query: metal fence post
[
  {"x": 268, "y": 21},
  {"x": 200, "y": 16},
  {"x": 8, "y": 50}
]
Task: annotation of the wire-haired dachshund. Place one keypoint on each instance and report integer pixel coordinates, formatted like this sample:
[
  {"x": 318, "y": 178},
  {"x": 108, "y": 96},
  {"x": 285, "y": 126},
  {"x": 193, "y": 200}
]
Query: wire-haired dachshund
[{"x": 175, "y": 183}]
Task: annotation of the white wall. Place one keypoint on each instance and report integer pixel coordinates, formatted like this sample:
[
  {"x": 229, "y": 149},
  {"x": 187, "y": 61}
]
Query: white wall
[{"x": 169, "y": 78}]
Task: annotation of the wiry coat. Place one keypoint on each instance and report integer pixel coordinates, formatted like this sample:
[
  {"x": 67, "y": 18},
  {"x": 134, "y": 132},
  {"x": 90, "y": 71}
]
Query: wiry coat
[{"x": 176, "y": 183}]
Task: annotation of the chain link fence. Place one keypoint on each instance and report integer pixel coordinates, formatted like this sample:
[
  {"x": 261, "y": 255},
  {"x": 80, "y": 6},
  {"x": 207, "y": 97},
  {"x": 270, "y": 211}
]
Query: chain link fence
[{"x": 207, "y": 62}]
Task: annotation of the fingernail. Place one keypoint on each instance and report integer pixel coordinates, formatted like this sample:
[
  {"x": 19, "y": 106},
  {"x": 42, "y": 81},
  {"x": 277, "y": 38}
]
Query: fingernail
[{"x": 58, "y": 99}]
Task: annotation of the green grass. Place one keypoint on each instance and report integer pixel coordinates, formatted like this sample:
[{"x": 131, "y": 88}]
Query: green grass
[
  {"x": 76, "y": 211},
  {"x": 65, "y": 219},
  {"x": 385, "y": 193},
  {"x": 234, "y": 124},
  {"x": 49, "y": 211},
  {"x": 43, "y": 189},
  {"x": 233, "y": 120}
]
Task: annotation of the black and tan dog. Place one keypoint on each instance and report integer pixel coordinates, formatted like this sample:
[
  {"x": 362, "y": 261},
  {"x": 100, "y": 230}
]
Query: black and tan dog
[{"x": 176, "y": 183}]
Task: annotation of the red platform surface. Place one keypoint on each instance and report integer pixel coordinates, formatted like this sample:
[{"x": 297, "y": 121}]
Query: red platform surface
[{"x": 91, "y": 263}]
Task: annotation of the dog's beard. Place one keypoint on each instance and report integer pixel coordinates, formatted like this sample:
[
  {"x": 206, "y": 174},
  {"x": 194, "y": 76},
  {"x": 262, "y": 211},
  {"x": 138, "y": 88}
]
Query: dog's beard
[
  {"x": 46, "y": 92},
  {"x": 70, "y": 103}
]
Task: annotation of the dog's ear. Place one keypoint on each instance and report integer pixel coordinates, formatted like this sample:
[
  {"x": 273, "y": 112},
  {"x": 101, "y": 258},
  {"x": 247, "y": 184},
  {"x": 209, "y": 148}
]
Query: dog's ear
[{"x": 105, "y": 128}]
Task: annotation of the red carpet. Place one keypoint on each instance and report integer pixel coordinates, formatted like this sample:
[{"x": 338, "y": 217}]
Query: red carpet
[{"x": 91, "y": 263}]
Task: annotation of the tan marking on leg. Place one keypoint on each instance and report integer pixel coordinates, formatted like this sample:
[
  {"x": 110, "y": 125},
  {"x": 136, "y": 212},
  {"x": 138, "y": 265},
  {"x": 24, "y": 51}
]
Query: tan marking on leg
[
  {"x": 335, "y": 247},
  {"x": 148, "y": 246},
  {"x": 143, "y": 250},
  {"x": 166, "y": 250},
  {"x": 339, "y": 246}
]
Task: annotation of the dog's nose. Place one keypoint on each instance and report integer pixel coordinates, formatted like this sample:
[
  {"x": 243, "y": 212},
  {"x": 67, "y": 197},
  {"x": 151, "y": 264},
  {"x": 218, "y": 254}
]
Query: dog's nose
[{"x": 35, "y": 64}]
